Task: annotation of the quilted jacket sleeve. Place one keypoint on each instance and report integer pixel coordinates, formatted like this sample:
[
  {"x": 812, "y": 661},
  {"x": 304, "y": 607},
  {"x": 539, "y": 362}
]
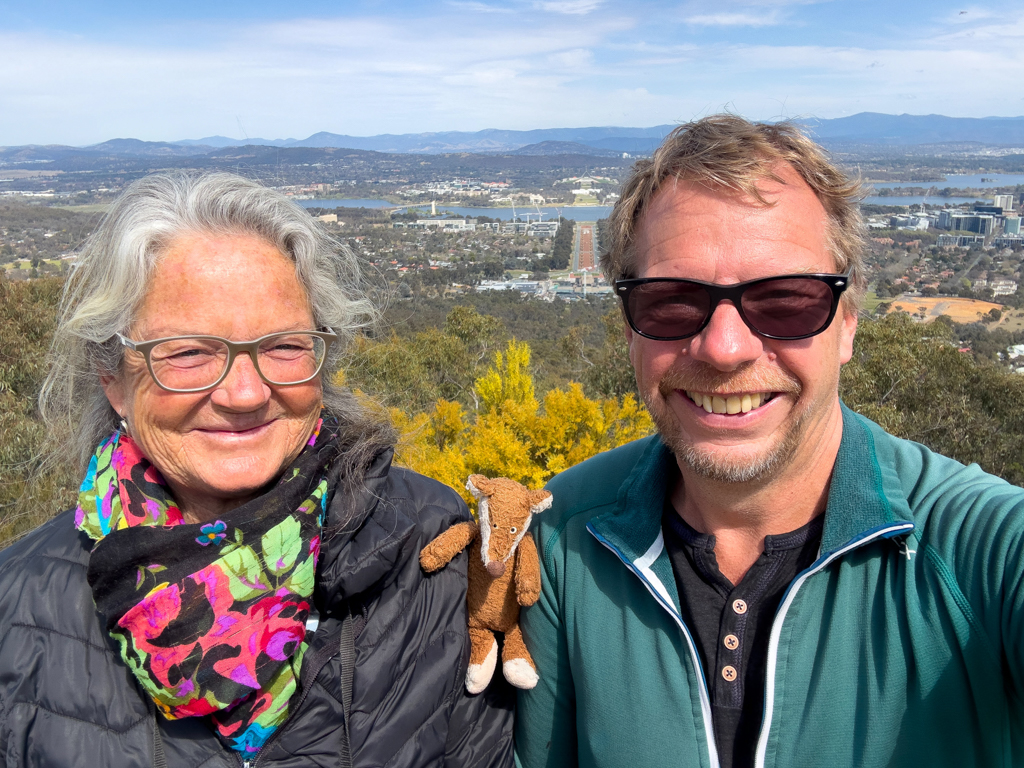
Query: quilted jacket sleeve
[{"x": 480, "y": 730}]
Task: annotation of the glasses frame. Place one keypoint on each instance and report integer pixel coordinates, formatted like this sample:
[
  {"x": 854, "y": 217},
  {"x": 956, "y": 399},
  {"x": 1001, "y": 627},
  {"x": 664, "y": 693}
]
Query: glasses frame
[
  {"x": 733, "y": 293},
  {"x": 235, "y": 348}
]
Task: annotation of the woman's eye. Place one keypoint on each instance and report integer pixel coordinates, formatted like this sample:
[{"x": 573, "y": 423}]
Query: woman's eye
[{"x": 512, "y": 530}]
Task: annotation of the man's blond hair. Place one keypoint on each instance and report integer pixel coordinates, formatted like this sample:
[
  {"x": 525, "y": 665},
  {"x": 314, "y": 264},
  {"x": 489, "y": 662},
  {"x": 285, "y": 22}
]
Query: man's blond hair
[{"x": 730, "y": 153}]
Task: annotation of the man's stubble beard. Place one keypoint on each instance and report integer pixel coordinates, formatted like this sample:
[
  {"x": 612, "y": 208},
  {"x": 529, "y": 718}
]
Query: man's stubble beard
[{"x": 717, "y": 465}]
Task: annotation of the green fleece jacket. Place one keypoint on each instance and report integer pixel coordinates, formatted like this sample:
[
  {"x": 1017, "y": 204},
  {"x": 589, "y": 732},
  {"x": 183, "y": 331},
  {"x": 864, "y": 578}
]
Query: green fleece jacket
[{"x": 902, "y": 645}]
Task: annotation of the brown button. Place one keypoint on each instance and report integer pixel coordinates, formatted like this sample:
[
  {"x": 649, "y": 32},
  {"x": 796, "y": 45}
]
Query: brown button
[
  {"x": 740, "y": 606},
  {"x": 732, "y": 642},
  {"x": 729, "y": 673}
]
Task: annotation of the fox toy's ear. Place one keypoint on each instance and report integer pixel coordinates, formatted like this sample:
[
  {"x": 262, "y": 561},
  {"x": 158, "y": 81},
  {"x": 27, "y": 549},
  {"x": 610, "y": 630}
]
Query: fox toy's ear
[
  {"x": 539, "y": 501},
  {"x": 480, "y": 486}
]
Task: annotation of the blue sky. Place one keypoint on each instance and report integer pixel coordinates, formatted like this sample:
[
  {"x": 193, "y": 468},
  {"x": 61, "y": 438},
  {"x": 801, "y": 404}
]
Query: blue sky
[{"x": 80, "y": 73}]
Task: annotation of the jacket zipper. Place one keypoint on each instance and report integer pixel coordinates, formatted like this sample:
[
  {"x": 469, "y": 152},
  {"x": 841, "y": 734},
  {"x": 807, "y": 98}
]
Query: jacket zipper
[
  {"x": 254, "y": 761},
  {"x": 666, "y": 602},
  {"x": 780, "y": 617}
]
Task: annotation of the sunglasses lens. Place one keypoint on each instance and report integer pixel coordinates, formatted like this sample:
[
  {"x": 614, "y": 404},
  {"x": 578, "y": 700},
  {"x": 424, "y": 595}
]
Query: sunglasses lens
[
  {"x": 668, "y": 310},
  {"x": 789, "y": 307}
]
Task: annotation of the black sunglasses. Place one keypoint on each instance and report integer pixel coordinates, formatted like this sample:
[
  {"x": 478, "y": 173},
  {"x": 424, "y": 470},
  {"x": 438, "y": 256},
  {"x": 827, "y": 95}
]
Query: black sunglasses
[{"x": 783, "y": 307}]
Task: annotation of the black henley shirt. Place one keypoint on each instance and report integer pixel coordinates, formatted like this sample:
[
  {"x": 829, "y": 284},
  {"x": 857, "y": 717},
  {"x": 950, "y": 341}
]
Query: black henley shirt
[{"x": 731, "y": 624}]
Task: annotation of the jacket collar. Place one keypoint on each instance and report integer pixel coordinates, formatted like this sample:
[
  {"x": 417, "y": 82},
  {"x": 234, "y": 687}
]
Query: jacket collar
[
  {"x": 863, "y": 497},
  {"x": 360, "y": 551}
]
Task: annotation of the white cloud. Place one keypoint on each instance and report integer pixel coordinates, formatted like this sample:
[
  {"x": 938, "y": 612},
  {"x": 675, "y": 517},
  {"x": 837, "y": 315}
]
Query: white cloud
[
  {"x": 464, "y": 68},
  {"x": 572, "y": 7},
  {"x": 470, "y": 5},
  {"x": 360, "y": 76},
  {"x": 733, "y": 20}
]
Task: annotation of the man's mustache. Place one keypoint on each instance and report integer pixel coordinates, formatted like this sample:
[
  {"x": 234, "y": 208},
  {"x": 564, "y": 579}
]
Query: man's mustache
[{"x": 699, "y": 377}]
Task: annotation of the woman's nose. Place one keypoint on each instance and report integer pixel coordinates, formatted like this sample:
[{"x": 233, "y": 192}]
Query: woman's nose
[{"x": 242, "y": 388}]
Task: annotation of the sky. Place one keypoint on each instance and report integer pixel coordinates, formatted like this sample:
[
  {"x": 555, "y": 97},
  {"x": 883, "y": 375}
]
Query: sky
[{"x": 80, "y": 73}]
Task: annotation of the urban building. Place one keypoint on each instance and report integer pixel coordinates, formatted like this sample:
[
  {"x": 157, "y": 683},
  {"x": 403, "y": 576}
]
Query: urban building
[
  {"x": 960, "y": 241},
  {"x": 967, "y": 221},
  {"x": 1003, "y": 286},
  {"x": 447, "y": 225},
  {"x": 910, "y": 221},
  {"x": 1008, "y": 241},
  {"x": 543, "y": 228},
  {"x": 1004, "y": 202}
]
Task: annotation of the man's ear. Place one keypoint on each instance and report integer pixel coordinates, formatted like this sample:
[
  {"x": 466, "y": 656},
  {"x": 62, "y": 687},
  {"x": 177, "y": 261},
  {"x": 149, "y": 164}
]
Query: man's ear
[
  {"x": 628, "y": 334},
  {"x": 847, "y": 331},
  {"x": 114, "y": 389}
]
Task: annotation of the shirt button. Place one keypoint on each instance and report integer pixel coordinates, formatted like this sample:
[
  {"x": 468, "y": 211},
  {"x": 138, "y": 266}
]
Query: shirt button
[
  {"x": 732, "y": 642},
  {"x": 740, "y": 606},
  {"x": 729, "y": 673}
]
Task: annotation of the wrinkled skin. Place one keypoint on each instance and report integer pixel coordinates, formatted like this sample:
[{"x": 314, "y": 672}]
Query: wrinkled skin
[{"x": 217, "y": 449}]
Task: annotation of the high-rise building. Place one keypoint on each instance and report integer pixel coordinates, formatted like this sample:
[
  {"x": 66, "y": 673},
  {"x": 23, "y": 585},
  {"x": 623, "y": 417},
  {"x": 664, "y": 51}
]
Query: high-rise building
[{"x": 1003, "y": 201}]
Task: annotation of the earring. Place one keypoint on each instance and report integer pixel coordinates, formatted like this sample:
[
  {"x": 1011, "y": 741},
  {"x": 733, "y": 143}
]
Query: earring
[{"x": 124, "y": 427}]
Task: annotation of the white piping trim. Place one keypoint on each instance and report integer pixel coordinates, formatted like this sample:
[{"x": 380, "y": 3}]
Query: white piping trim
[
  {"x": 646, "y": 560},
  {"x": 642, "y": 568},
  {"x": 773, "y": 641}
]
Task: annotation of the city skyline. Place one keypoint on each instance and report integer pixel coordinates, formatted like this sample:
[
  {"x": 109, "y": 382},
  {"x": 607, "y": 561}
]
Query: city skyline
[{"x": 75, "y": 74}]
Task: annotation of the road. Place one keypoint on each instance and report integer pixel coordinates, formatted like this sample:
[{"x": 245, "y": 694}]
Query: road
[{"x": 583, "y": 256}]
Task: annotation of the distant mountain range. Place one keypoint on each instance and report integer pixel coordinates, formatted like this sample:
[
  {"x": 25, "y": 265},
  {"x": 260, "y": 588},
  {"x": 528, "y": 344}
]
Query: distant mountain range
[{"x": 865, "y": 128}]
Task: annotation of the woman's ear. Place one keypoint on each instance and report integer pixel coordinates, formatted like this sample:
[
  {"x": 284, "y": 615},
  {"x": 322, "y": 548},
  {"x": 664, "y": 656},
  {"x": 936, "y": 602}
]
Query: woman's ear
[{"x": 114, "y": 388}]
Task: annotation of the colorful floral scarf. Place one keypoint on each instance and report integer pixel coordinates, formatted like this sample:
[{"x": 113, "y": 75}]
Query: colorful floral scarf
[{"x": 210, "y": 618}]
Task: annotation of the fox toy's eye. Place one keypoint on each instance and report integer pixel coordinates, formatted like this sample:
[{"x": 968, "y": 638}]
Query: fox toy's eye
[{"x": 513, "y": 529}]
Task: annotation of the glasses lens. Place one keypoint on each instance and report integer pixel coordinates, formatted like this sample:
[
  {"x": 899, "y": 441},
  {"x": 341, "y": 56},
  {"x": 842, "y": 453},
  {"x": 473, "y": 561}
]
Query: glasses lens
[
  {"x": 289, "y": 358},
  {"x": 188, "y": 363},
  {"x": 668, "y": 310},
  {"x": 788, "y": 307}
]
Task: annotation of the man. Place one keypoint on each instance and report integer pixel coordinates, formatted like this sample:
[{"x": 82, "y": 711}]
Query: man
[{"x": 772, "y": 580}]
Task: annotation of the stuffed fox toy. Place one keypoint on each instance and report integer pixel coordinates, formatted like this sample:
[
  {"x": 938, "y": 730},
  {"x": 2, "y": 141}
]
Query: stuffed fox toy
[{"x": 504, "y": 573}]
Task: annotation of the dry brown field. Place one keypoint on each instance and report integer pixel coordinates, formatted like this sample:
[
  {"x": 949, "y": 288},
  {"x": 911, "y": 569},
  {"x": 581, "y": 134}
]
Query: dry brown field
[{"x": 959, "y": 310}]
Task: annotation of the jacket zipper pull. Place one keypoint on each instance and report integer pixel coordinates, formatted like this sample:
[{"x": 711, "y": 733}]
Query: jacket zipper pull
[{"x": 904, "y": 548}]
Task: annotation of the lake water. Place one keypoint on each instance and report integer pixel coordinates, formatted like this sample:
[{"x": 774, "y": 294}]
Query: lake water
[
  {"x": 917, "y": 200},
  {"x": 962, "y": 181}
]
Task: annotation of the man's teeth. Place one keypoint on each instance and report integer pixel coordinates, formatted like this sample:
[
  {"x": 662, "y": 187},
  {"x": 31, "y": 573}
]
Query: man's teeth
[{"x": 731, "y": 404}]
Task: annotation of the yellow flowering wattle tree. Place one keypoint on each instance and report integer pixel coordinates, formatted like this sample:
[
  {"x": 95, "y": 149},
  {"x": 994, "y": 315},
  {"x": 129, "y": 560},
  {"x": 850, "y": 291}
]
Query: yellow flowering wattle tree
[{"x": 512, "y": 434}]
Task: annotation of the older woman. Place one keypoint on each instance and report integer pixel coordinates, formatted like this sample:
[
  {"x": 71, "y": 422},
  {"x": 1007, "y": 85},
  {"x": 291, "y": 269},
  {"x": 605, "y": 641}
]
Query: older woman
[{"x": 239, "y": 582}]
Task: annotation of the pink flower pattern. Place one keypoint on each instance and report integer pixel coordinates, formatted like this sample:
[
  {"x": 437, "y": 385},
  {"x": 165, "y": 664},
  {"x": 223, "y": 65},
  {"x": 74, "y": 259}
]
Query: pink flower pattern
[{"x": 253, "y": 610}]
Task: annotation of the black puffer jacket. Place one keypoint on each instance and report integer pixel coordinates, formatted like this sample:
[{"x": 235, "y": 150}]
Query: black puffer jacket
[{"x": 66, "y": 698}]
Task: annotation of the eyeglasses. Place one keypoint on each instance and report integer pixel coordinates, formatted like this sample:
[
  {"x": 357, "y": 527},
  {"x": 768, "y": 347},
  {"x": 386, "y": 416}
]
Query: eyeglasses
[
  {"x": 783, "y": 307},
  {"x": 196, "y": 363}
]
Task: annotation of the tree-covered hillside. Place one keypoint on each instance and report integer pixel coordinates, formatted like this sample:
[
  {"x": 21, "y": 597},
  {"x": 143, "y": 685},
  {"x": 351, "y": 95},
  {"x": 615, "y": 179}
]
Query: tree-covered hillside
[{"x": 502, "y": 384}]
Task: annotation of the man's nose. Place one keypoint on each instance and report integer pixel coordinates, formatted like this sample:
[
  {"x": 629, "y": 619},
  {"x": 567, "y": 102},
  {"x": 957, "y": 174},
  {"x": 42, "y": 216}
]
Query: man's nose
[
  {"x": 242, "y": 388},
  {"x": 726, "y": 343}
]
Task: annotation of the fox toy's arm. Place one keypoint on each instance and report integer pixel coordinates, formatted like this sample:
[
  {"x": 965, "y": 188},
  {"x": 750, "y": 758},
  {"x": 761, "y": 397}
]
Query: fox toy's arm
[
  {"x": 438, "y": 553},
  {"x": 527, "y": 572}
]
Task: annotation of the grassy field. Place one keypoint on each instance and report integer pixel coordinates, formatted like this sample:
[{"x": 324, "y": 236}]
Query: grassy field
[
  {"x": 1013, "y": 320},
  {"x": 871, "y": 302}
]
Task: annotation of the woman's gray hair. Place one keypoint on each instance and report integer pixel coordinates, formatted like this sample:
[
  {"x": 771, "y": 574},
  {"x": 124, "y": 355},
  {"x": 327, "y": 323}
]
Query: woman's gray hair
[{"x": 112, "y": 275}]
